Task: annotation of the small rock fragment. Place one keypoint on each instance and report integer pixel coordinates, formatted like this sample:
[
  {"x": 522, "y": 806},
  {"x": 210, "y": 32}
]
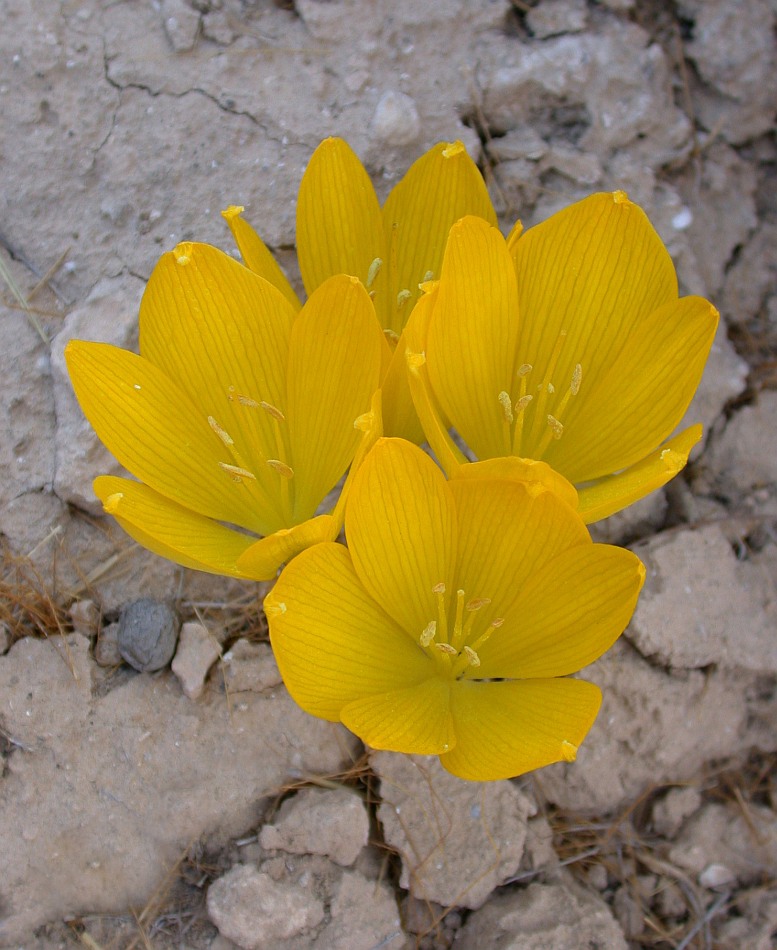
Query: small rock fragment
[
  {"x": 746, "y": 436},
  {"x": 106, "y": 650},
  {"x": 364, "y": 914},
  {"x": 182, "y": 23},
  {"x": 252, "y": 910},
  {"x": 197, "y": 652},
  {"x": 148, "y": 631},
  {"x": 333, "y": 823},
  {"x": 716, "y": 875},
  {"x": 553, "y": 17},
  {"x": 85, "y": 617},
  {"x": 396, "y": 120},
  {"x": 671, "y": 811},
  {"x": 250, "y": 666}
]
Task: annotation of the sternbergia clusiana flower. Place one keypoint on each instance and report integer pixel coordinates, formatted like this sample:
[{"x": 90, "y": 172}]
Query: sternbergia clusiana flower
[
  {"x": 566, "y": 343},
  {"x": 450, "y": 623},
  {"x": 342, "y": 229},
  {"x": 238, "y": 416}
]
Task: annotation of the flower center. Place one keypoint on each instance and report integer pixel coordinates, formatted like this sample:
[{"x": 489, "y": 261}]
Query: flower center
[
  {"x": 534, "y": 420},
  {"x": 454, "y": 645}
]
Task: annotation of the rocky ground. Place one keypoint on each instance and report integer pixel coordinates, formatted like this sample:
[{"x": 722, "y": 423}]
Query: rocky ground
[{"x": 197, "y": 807}]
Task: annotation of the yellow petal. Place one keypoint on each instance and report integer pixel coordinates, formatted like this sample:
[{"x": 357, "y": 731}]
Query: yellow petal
[
  {"x": 401, "y": 419},
  {"x": 415, "y": 720},
  {"x": 508, "y": 531},
  {"x": 594, "y": 270},
  {"x": 333, "y": 643},
  {"x": 160, "y": 435},
  {"x": 568, "y": 613},
  {"x": 173, "y": 532},
  {"x": 506, "y": 729},
  {"x": 472, "y": 333},
  {"x": 222, "y": 333},
  {"x": 639, "y": 399},
  {"x": 438, "y": 189},
  {"x": 256, "y": 255},
  {"x": 608, "y": 495},
  {"x": 522, "y": 470},
  {"x": 400, "y": 526},
  {"x": 334, "y": 368},
  {"x": 262, "y": 559},
  {"x": 339, "y": 225}
]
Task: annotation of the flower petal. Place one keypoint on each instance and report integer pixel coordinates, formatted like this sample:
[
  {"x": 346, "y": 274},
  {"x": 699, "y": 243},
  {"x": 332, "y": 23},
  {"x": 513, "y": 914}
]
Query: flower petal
[
  {"x": 263, "y": 558},
  {"x": 522, "y": 470},
  {"x": 173, "y": 532},
  {"x": 508, "y": 530},
  {"x": 506, "y": 729},
  {"x": 222, "y": 334},
  {"x": 256, "y": 255},
  {"x": 334, "y": 368},
  {"x": 438, "y": 189},
  {"x": 158, "y": 434},
  {"x": 594, "y": 271},
  {"x": 339, "y": 224},
  {"x": 641, "y": 397},
  {"x": 416, "y": 720},
  {"x": 613, "y": 493},
  {"x": 566, "y": 615},
  {"x": 401, "y": 531},
  {"x": 472, "y": 333},
  {"x": 333, "y": 643}
]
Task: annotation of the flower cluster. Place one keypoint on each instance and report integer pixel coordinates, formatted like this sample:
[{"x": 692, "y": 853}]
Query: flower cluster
[{"x": 560, "y": 359}]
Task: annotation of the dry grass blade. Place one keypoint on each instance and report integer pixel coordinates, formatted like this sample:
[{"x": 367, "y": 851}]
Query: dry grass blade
[{"x": 9, "y": 281}]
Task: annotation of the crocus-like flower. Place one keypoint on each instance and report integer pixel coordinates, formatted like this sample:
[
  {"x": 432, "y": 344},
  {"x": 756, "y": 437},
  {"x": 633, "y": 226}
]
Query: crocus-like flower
[
  {"x": 341, "y": 229},
  {"x": 567, "y": 343},
  {"x": 239, "y": 415},
  {"x": 449, "y": 624}
]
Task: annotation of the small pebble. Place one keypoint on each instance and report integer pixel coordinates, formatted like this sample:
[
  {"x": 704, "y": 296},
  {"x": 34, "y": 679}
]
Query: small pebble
[
  {"x": 197, "y": 652},
  {"x": 85, "y": 617},
  {"x": 716, "y": 875},
  {"x": 148, "y": 632},
  {"x": 396, "y": 120},
  {"x": 106, "y": 650}
]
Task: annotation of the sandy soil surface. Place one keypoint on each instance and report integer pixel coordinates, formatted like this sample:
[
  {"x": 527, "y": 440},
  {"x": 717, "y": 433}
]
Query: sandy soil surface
[{"x": 198, "y": 807}]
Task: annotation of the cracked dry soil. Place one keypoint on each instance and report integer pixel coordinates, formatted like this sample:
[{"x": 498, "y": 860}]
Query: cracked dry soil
[{"x": 176, "y": 809}]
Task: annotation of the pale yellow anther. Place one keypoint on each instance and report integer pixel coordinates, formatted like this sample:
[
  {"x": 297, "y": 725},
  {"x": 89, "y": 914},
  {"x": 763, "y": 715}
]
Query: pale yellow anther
[
  {"x": 439, "y": 588},
  {"x": 507, "y": 408},
  {"x": 428, "y": 633},
  {"x": 452, "y": 148},
  {"x": 474, "y": 659},
  {"x": 447, "y": 649},
  {"x": 402, "y": 298},
  {"x": 429, "y": 275},
  {"x": 281, "y": 468},
  {"x": 477, "y": 602},
  {"x": 183, "y": 252},
  {"x": 237, "y": 473},
  {"x": 577, "y": 378},
  {"x": 372, "y": 273},
  {"x": 568, "y": 751},
  {"x": 497, "y": 622},
  {"x": 524, "y": 369},
  {"x": 523, "y": 402},
  {"x": 392, "y": 336},
  {"x": 274, "y": 610},
  {"x": 111, "y": 503},
  {"x": 273, "y": 411},
  {"x": 556, "y": 427},
  {"x": 220, "y": 432},
  {"x": 551, "y": 389}
]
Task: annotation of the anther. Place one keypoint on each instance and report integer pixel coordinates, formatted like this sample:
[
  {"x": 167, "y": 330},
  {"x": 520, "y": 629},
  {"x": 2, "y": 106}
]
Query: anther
[
  {"x": 474, "y": 659},
  {"x": 428, "y": 633},
  {"x": 556, "y": 426},
  {"x": 429, "y": 275},
  {"x": 439, "y": 588},
  {"x": 237, "y": 474},
  {"x": 402, "y": 298},
  {"x": 497, "y": 622},
  {"x": 577, "y": 378},
  {"x": 272, "y": 411},
  {"x": 391, "y": 336},
  {"x": 372, "y": 273},
  {"x": 233, "y": 396},
  {"x": 551, "y": 389},
  {"x": 507, "y": 409},
  {"x": 523, "y": 402},
  {"x": 447, "y": 649},
  {"x": 220, "y": 432},
  {"x": 281, "y": 468},
  {"x": 477, "y": 602},
  {"x": 524, "y": 369}
]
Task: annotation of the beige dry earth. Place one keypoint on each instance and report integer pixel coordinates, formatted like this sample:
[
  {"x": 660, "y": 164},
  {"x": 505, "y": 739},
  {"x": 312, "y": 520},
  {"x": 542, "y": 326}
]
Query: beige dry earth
[{"x": 196, "y": 807}]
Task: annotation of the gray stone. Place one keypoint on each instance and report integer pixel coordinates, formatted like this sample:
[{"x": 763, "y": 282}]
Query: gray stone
[
  {"x": 552, "y": 17},
  {"x": 396, "y": 120},
  {"x": 106, "y": 649},
  {"x": 744, "y": 456},
  {"x": 197, "y": 651},
  {"x": 364, "y": 916},
  {"x": 148, "y": 632},
  {"x": 560, "y": 916},
  {"x": 752, "y": 277},
  {"x": 457, "y": 840},
  {"x": 251, "y": 666},
  {"x": 181, "y": 23},
  {"x": 254, "y": 911},
  {"x": 333, "y": 823}
]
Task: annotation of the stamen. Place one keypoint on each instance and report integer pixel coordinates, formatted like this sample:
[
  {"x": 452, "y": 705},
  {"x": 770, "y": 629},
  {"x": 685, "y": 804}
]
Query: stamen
[
  {"x": 523, "y": 370},
  {"x": 551, "y": 389},
  {"x": 447, "y": 649},
  {"x": 477, "y": 603},
  {"x": 372, "y": 273},
  {"x": 457, "y": 624},
  {"x": 577, "y": 378},
  {"x": 402, "y": 298},
  {"x": 429, "y": 275},
  {"x": 486, "y": 635},
  {"x": 392, "y": 336},
  {"x": 556, "y": 426},
  {"x": 233, "y": 396},
  {"x": 220, "y": 432},
  {"x": 474, "y": 659},
  {"x": 428, "y": 633},
  {"x": 273, "y": 411},
  {"x": 544, "y": 389},
  {"x": 237, "y": 473},
  {"x": 507, "y": 409},
  {"x": 523, "y": 402},
  {"x": 281, "y": 468},
  {"x": 442, "y": 618}
]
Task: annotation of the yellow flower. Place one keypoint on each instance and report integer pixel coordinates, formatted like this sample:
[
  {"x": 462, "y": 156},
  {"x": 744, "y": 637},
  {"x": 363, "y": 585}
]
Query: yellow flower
[
  {"x": 341, "y": 229},
  {"x": 449, "y": 624},
  {"x": 238, "y": 416},
  {"x": 567, "y": 343}
]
